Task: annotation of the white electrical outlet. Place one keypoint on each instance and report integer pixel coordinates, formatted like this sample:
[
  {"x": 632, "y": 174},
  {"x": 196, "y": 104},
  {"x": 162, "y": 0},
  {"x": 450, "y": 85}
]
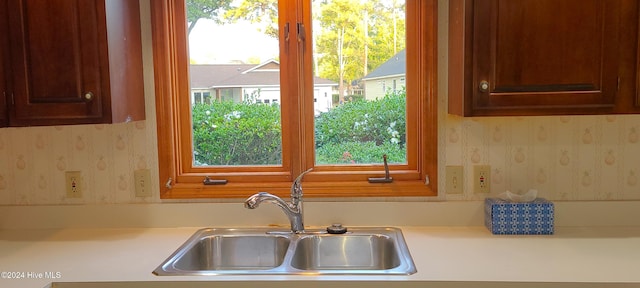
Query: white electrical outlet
[
  {"x": 481, "y": 178},
  {"x": 454, "y": 179},
  {"x": 142, "y": 180},
  {"x": 73, "y": 184}
]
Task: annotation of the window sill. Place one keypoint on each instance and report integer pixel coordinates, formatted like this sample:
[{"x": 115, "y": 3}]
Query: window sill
[{"x": 311, "y": 189}]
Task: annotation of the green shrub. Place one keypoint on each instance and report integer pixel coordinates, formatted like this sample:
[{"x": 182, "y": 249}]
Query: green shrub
[
  {"x": 379, "y": 121},
  {"x": 359, "y": 153},
  {"x": 227, "y": 133}
]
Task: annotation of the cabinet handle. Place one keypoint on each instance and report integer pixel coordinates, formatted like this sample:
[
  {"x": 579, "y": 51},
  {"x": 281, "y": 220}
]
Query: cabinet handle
[
  {"x": 88, "y": 96},
  {"x": 484, "y": 86}
]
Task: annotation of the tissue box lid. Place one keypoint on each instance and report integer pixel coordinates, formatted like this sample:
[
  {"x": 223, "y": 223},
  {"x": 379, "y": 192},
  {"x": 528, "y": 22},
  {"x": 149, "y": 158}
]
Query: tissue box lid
[
  {"x": 504, "y": 217},
  {"x": 500, "y": 201}
]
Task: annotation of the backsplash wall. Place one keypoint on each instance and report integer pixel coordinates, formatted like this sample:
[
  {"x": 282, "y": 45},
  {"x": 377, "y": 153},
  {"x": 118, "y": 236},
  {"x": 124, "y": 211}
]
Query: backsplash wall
[
  {"x": 34, "y": 161},
  {"x": 564, "y": 158}
]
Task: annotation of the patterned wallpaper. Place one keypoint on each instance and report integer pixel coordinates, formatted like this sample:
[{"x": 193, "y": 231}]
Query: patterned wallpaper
[
  {"x": 34, "y": 161},
  {"x": 563, "y": 157}
]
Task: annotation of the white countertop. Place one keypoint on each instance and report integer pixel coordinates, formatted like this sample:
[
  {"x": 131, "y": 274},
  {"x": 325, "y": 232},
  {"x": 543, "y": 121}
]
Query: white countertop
[
  {"x": 596, "y": 242},
  {"x": 444, "y": 257}
]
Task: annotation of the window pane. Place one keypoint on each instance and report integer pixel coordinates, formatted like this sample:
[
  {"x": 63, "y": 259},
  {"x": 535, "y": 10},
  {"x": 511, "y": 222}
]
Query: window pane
[
  {"x": 359, "y": 57},
  {"x": 197, "y": 97},
  {"x": 233, "y": 51}
]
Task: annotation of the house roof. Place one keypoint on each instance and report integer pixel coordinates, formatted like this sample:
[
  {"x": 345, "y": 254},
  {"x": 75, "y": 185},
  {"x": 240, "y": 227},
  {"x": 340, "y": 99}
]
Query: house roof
[
  {"x": 210, "y": 76},
  {"x": 396, "y": 65}
]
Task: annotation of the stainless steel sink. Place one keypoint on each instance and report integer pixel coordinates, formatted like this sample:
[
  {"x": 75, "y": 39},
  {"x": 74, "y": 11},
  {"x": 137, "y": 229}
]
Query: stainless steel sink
[
  {"x": 217, "y": 251},
  {"x": 233, "y": 252},
  {"x": 347, "y": 252}
]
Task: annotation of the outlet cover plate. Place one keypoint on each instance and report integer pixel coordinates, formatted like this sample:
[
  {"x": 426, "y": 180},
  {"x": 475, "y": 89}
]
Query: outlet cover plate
[
  {"x": 481, "y": 179},
  {"x": 73, "y": 184}
]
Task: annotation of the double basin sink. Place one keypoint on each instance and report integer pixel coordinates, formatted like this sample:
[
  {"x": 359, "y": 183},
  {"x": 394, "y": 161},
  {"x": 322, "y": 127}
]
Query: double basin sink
[{"x": 219, "y": 251}]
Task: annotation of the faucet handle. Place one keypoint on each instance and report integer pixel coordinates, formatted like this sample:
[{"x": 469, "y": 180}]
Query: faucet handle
[{"x": 296, "y": 188}]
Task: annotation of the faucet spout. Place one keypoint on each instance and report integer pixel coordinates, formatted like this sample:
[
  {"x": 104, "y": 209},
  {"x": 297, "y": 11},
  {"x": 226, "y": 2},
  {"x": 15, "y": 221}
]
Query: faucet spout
[
  {"x": 293, "y": 210},
  {"x": 294, "y": 213}
]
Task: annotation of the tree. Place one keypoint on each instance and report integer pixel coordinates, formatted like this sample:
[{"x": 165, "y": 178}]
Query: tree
[
  {"x": 198, "y": 9},
  {"x": 257, "y": 11},
  {"x": 356, "y": 36},
  {"x": 341, "y": 42},
  {"x": 352, "y": 38},
  {"x": 387, "y": 33}
]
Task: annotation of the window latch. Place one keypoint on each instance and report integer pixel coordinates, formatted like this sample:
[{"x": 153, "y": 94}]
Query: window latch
[
  {"x": 209, "y": 181},
  {"x": 301, "y": 33},
  {"x": 286, "y": 32},
  {"x": 387, "y": 178}
]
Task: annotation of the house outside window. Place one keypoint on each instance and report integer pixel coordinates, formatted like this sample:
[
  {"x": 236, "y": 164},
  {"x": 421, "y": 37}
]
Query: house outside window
[
  {"x": 257, "y": 82},
  {"x": 393, "y": 70},
  {"x": 199, "y": 96}
]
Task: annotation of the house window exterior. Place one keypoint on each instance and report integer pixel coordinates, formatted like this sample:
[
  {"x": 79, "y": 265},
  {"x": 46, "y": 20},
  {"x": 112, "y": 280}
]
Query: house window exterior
[
  {"x": 200, "y": 97},
  {"x": 255, "y": 83}
]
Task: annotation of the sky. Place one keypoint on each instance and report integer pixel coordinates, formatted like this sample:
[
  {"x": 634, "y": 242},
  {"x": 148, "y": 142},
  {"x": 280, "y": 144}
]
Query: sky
[{"x": 210, "y": 43}]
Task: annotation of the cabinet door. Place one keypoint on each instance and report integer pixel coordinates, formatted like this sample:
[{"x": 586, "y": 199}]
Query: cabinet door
[
  {"x": 544, "y": 56},
  {"x": 4, "y": 48},
  {"x": 637, "y": 94},
  {"x": 57, "y": 47}
]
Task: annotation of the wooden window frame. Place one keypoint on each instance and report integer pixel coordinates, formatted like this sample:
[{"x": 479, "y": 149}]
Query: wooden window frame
[{"x": 178, "y": 179}]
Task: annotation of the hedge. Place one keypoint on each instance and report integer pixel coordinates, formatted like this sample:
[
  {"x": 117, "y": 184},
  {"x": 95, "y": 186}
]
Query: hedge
[{"x": 357, "y": 132}]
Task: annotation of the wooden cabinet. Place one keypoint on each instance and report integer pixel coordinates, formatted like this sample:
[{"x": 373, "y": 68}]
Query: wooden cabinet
[
  {"x": 542, "y": 57},
  {"x": 74, "y": 61}
]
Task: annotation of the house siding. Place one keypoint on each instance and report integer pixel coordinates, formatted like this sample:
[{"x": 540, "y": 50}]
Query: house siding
[{"x": 377, "y": 88}]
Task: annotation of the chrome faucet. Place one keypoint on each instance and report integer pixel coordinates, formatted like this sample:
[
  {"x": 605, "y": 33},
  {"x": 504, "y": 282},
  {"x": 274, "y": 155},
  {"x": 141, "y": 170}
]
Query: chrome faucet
[{"x": 293, "y": 210}]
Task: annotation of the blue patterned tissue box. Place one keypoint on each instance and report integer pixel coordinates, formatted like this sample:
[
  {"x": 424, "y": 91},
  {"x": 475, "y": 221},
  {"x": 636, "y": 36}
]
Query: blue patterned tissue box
[{"x": 504, "y": 217}]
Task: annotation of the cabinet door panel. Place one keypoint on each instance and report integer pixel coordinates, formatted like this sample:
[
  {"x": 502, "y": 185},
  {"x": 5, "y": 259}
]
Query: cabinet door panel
[
  {"x": 3, "y": 90},
  {"x": 545, "y": 53},
  {"x": 56, "y": 56}
]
